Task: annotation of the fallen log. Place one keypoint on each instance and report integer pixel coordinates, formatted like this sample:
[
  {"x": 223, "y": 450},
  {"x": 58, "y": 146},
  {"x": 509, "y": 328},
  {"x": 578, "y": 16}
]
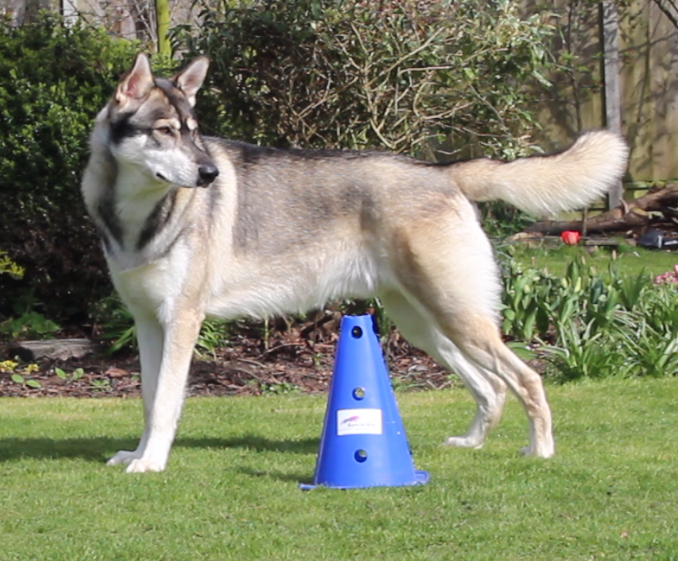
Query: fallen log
[
  {"x": 53, "y": 349},
  {"x": 627, "y": 216}
]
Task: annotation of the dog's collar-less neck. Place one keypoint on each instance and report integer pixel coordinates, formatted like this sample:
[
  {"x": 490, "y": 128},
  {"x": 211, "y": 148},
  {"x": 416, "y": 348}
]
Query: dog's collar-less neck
[{"x": 129, "y": 219}]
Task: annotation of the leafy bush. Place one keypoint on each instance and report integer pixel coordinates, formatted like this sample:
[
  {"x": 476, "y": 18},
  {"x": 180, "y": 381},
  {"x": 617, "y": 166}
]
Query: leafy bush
[
  {"x": 30, "y": 325},
  {"x": 651, "y": 340},
  {"x": 53, "y": 80},
  {"x": 591, "y": 325},
  {"x": 352, "y": 74},
  {"x": 583, "y": 354}
]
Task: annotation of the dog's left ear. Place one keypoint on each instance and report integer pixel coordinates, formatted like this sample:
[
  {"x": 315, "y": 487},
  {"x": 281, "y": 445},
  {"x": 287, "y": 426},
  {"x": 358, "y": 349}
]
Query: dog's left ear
[{"x": 190, "y": 79}]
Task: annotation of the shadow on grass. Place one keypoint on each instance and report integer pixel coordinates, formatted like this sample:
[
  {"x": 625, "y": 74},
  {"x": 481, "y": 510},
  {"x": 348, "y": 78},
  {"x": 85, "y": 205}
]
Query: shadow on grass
[
  {"x": 100, "y": 449},
  {"x": 305, "y": 477}
]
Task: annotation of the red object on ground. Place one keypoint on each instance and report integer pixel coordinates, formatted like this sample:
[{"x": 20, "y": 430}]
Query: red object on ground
[{"x": 570, "y": 237}]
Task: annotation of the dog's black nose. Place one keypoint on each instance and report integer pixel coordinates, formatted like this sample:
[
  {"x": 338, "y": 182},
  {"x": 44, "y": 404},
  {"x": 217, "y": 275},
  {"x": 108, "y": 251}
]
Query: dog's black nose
[{"x": 206, "y": 174}]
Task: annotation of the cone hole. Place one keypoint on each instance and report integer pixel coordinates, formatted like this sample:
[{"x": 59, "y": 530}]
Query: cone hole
[
  {"x": 360, "y": 456},
  {"x": 358, "y": 394},
  {"x": 357, "y": 332}
]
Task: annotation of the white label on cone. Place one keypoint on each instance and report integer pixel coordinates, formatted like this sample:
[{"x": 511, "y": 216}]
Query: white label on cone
[{"x": 359, "y": 421}]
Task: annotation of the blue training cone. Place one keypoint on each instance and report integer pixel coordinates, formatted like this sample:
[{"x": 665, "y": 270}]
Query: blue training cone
[{"x": 363, "y": 443}]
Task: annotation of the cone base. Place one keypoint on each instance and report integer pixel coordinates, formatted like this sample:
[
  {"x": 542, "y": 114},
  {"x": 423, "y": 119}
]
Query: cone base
[{"x": 420, "y": 478}]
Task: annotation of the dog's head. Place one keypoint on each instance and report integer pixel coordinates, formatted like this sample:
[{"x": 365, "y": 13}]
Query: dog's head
[{"x": 154, "y": 128}]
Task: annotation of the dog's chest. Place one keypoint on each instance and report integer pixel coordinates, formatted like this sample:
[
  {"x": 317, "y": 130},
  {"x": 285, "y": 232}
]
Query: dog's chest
[{"x": 151, "y": 286}]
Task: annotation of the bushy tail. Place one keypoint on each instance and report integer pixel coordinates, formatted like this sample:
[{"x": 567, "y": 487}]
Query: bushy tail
[{"x": 548, "y": 184}]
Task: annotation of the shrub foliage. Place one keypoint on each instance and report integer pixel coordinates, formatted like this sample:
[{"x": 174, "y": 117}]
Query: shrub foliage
[
  {"x": 587, "y": 324},
  {"x": 353, "y": 74},
  {"x": 53, "y": 80}
]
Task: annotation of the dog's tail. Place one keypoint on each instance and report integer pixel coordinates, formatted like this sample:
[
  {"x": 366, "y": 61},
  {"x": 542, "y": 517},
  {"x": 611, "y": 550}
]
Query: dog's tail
[{"x": 539, "y": 185}]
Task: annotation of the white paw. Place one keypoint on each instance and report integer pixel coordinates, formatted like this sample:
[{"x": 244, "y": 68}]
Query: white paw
[
  {"x": 122, "y": 457},
  {"x": 142, "y": 465},
  {"x": 136, "y": 463},
  {"x": 542, "y": 452},
  {"x": 464, "y": 442}
]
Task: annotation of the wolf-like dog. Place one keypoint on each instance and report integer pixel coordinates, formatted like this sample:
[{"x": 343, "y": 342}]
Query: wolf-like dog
[{"x": 194, "y": 226}]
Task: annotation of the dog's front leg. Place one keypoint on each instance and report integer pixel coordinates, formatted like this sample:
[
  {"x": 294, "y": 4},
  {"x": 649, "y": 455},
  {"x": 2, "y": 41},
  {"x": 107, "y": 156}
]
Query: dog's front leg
[
  {"x": 163, "y": 393},
  {"x": 150, "y": 337}
]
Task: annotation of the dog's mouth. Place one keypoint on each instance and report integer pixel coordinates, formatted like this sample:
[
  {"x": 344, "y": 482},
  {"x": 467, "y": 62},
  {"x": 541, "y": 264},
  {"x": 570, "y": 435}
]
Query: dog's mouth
[
  {"x": 206, "y": 176},
  {"x": 164, "y": 179}
]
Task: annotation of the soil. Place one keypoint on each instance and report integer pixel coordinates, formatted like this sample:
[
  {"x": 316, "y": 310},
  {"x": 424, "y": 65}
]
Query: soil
[{"x": 296, "y": 360}]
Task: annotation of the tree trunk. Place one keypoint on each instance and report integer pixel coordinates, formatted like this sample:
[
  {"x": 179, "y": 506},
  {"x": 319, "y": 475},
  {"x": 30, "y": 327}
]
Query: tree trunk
[{"x": 162, "y": 15}]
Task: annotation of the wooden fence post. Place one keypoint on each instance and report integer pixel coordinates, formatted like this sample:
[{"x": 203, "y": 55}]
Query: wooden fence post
[{"x": 611, "y": 71}]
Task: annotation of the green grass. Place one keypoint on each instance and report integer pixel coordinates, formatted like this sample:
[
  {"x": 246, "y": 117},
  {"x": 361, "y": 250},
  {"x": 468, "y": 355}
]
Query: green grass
[
  {"x": 629, "y": 260},
  {"x": 231, "y": 491}
]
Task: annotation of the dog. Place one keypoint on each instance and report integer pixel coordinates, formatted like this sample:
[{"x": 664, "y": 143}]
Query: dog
[{"x": 195, "y": 226}]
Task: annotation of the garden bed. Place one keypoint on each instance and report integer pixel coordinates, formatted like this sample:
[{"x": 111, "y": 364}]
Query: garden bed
[{"x": 290, "y": 364}]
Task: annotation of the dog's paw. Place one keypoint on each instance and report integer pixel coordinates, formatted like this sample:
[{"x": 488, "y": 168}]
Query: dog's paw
[
  {"x": 543, "y": 452},
  {"x": 123, "y": 457},
  {"x": 136, "y": 463},
  {"x": 464, "y": 442},
  {"x": 141, "y": 465}
]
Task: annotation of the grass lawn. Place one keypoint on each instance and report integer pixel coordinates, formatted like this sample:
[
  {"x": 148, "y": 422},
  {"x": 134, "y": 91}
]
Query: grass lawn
[
  {"x": 628, "y": 260},
  {"x": 231, "y": 489}
]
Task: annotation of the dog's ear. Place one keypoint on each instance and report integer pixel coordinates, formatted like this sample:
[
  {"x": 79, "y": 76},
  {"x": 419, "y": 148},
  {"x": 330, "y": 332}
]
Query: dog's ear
[
  {"x": 190, "y": 79},
  {"x": 137, "y": 82}
]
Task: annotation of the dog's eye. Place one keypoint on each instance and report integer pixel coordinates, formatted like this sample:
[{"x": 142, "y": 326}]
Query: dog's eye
[{"x": 166, "y": 130}]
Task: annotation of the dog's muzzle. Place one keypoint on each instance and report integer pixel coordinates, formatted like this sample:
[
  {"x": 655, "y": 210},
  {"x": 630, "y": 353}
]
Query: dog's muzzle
[{"x": 207, "y": 173}]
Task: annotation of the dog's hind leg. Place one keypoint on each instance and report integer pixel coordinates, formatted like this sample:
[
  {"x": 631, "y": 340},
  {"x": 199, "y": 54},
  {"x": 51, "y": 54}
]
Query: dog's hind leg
[
  {"x": 150, "y": 336},
  {"x": 446, "y": 266},
  {"x": 487, "y": 389},
  {"x": 486, "y": 349}
]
